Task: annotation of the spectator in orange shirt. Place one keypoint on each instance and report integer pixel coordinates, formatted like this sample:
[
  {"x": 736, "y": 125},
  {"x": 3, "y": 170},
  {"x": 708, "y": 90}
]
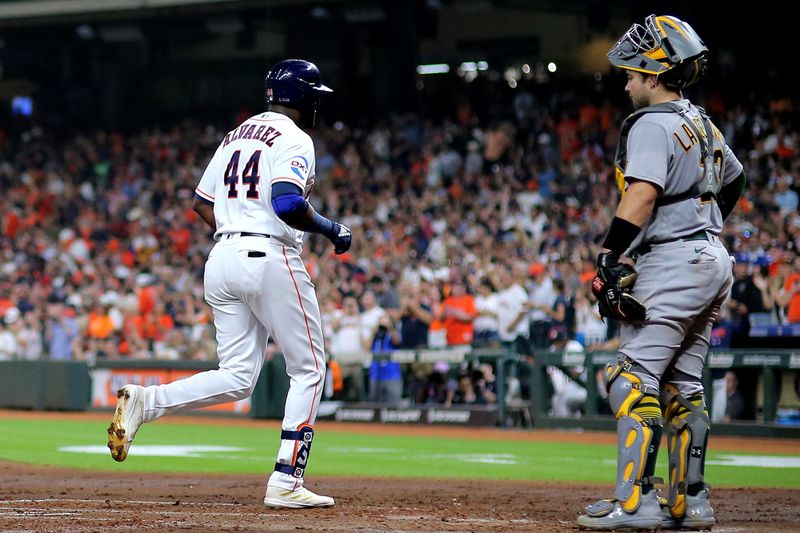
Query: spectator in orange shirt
[
  {"x": 148, "y": 293},
  {"x": 181, "y": 238},
  {"x": 100, "y": 324},
  {"x": 155, "y": 325},
  {"x": 100, "y": 338},
  {"x": 790, "y": 296},
  {"x": 5, "y": 303},
  {"x": 133, "y": 343},
  {"x": 458, "y": 313}
]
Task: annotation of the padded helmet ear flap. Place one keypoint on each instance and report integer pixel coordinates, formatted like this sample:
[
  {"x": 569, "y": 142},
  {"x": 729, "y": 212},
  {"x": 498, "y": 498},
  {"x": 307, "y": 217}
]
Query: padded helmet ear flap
[{"x": 685, "y": 74}]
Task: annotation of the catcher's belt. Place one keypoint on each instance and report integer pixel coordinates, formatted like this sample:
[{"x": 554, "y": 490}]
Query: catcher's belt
[{"x": 642, "y": 249}]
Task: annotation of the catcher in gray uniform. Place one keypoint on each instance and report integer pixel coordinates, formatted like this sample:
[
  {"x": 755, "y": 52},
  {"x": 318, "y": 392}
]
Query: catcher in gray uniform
[{"x": 680, "y": 181}]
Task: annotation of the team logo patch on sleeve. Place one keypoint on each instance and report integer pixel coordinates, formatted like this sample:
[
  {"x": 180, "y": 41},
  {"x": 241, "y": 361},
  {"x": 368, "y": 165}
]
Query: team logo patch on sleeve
[{"x": 299, "y": 166}]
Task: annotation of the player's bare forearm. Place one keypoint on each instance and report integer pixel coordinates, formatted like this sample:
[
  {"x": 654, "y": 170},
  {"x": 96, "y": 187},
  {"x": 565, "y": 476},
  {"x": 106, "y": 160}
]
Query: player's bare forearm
[
  {"x": 206, "y": 212},
  {"x": 637, "y": 203},
  {"x": 633, "y": 211}
]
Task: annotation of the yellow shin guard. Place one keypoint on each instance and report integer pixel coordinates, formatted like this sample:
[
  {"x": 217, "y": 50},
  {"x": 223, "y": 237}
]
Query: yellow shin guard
[
  {"x": 687, "y": 426},
  {"x": 639, "y": 426}
]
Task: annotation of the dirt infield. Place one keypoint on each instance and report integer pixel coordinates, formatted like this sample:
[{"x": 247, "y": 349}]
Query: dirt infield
[
  {"x": 38, "y": 498},
  {"x": 59, "y": 500}
]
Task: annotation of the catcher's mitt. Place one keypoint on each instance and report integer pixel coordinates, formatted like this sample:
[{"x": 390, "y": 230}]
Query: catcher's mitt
[{"x": 612, "y": 287}]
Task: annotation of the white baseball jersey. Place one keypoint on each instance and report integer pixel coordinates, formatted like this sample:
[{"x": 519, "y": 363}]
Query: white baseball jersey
[
  {"x": 257, "y": 287},
  {"x": 265, "y": 149}
]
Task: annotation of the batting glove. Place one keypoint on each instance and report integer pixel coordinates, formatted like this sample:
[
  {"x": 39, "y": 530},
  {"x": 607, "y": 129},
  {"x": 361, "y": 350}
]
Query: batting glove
[{"x": 342, "y": 238}]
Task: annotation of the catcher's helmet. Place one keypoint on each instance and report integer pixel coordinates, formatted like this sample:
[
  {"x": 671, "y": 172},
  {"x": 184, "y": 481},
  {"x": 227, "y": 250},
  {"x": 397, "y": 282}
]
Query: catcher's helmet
[
  {"x": 295, "y": 83},
  {"x": 665, "y": 46}
]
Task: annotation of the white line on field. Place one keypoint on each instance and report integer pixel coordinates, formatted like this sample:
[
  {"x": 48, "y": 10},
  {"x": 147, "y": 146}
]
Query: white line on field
[
  {"x": 44, "y": 512},
  {"x": 137, "y": 502},
  {"x": 41, "y": 512}
]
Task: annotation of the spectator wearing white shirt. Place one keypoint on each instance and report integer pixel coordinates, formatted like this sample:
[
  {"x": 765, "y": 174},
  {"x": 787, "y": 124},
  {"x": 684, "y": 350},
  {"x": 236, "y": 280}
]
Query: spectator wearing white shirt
[
  {"x": 371, "y": 315},
  {"x": 589, "y": 326},
  {"x": 486, "y": 323},
  {"x": 512, "y": 313},
  {"x": 347, "y": 339},
  {"x": 9, "y": 349},
  {"x": 29, "y": 336},
  {"x": 542, "y": 297},
  {"x": 348, "y": 349}
]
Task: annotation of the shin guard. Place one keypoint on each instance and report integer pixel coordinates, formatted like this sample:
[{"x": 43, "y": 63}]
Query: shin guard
[
  {"x": 302, "y": 448},
  {"x": 639, "y": 427},
  {"x": 687, "y": 426}
]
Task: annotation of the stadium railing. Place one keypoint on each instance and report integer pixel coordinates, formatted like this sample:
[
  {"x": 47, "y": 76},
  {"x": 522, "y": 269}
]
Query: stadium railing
[{"x": 74, "y": 385}]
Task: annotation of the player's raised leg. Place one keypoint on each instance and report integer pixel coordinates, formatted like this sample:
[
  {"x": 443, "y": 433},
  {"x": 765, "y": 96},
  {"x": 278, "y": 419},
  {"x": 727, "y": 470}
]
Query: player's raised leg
[{"x": 241, "y": 343}]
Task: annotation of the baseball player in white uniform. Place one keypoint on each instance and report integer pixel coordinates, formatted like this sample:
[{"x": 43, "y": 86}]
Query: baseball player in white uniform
[
  {"x": 254, "y": 195},
  {"x": 681, "y": 181}
]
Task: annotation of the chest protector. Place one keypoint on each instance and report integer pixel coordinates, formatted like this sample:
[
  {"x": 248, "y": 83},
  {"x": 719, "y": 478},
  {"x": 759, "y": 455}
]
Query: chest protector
[{"x": 709, "y": 184}]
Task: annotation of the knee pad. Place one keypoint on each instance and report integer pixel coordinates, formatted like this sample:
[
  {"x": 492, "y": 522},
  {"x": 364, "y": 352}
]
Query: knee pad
[
  {"x": 302, "y": 448},
  {"x": 639, "y": 426},
  {"x": 687, "y": 426}
]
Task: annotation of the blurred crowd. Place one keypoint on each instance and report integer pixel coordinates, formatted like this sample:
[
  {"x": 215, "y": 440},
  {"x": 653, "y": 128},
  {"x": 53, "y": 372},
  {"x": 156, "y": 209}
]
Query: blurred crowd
[{"x": 466, "y": 232}]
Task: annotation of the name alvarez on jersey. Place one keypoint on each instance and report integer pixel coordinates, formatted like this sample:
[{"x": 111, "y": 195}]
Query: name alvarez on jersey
[
  {"x": 242, "y": 171},
  {"x": 263, "y": 133}
]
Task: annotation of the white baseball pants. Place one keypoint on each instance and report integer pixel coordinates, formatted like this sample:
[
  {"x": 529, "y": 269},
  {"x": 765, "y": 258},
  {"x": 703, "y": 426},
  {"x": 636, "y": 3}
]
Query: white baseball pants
[{"x": 252, "y": 296}]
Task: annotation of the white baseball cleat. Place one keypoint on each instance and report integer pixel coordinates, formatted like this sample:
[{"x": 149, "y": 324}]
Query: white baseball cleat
[
  {"x": 128, "y": 416},
  {"x": 295, "y": 499}
]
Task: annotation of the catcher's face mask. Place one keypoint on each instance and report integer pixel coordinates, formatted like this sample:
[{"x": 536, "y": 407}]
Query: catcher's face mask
[{"x": 663, "y": 44}]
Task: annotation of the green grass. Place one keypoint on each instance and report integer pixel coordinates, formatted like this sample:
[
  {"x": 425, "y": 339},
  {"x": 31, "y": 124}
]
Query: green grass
[{"x": 343, "y": 454}]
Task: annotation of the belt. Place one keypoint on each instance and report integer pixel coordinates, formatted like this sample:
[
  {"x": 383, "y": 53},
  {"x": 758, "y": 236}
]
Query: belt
[
  {"x": 246, "y": 234},
  {"x": 642, "y": 249}
]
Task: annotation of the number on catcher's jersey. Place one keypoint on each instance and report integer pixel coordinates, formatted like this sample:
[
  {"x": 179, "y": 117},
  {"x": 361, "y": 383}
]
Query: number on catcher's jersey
[{"x": 250, "y": 176}]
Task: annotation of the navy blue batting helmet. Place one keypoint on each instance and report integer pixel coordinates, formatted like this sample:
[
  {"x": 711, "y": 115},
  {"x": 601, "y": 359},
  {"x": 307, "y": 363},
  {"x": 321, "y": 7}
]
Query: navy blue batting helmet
[{"x": 296, "y": 84}]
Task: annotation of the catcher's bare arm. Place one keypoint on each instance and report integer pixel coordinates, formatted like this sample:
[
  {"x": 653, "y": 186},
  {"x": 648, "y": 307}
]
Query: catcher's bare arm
[{"x": 637, "y": 203}]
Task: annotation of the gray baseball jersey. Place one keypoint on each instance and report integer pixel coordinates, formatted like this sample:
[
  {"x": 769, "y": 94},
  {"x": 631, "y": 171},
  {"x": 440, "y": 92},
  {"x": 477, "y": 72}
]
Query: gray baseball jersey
[
  {"x": 682, "y": 282},
  {"x": 664, "y": 150}
]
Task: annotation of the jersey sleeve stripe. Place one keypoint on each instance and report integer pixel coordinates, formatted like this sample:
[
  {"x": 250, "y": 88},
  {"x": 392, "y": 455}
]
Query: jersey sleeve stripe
[
  {"x": 204, "y": 195},
  {"x": 290, "y": 180},
  {"x": 203, "y": 199}
]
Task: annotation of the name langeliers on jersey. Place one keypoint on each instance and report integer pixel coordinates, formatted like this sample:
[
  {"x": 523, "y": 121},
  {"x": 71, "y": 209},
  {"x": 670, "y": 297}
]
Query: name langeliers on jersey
[
  {"x": 692, "y": 139},
  {"x": 263, "y": 133}
]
